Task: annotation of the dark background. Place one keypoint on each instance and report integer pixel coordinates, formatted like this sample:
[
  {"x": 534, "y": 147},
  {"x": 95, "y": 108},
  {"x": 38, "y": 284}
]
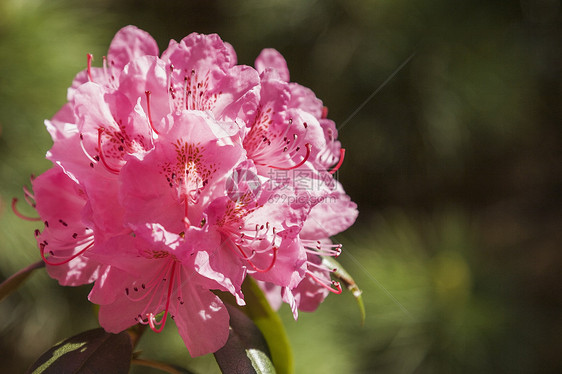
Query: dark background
[{"x": 455, "y": 165}]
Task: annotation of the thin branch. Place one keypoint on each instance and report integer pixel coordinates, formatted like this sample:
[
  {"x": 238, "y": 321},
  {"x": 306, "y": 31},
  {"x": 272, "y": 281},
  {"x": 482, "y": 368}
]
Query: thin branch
[{"x": 160, "y": 365}]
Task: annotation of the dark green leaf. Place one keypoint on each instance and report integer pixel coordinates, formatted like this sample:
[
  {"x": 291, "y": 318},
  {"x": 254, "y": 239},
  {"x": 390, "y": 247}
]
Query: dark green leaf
[
  {"x": 268, "y": 321},
  {"x": 348, "y": 282},
  {"x": 12, "y": 283},
  {"x": 246, "y": 350},
  {"x": 93, "y": 351}
]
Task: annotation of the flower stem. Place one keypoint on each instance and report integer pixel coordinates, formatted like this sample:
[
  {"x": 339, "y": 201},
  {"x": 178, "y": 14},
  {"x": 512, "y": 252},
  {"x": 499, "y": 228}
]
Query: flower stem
[
  {"x": 135, "y": 332},
  {"x": 13, "y": 282},
  {"x": 160, "y": 365}
]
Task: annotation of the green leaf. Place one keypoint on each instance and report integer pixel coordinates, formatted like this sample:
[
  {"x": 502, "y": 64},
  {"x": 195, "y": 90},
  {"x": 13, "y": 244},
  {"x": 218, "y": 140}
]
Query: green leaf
[
  {"x": 258, "y": 309},
  {"x": 348, "y": 282},
  {"x": 16, "y": 280},
  {"x": 246, "y": 350},
  {"x": 266, "y": 319},
  {"x": 93, "y": 351}
]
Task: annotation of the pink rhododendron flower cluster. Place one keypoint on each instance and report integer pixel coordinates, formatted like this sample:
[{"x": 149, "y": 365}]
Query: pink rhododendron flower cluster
[{"x": 181, "y": 174}]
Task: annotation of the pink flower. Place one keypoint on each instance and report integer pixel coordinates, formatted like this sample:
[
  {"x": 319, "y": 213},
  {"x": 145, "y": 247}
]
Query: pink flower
[
  {"x": 147, "y": 276},
  {"x": 177, "y": 175},
  {"x": 60, "y": 202},
  {"x": 290, "y": 117}
]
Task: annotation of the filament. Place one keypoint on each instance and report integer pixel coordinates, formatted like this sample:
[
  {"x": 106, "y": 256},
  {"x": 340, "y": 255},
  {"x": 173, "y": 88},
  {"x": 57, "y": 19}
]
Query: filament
[
  {"x": 42, "y": 252},
  {"x": 90, "y": 58},
  {"x": 20, "y": 215},
  {"x": 338, "y": 289},
  {"x": 147, "y": 93}
]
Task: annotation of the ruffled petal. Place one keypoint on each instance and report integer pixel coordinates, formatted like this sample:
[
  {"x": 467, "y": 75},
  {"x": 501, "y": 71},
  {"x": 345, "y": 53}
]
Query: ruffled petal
[
  {"x": 271, "y": 58},
  {"x": 334, "y": 214},
  {"x": 129, "y": 43}
]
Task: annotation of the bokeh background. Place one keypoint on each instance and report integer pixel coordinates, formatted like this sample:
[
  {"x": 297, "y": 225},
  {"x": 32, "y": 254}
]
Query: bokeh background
[{"x": 455, "y": 165}]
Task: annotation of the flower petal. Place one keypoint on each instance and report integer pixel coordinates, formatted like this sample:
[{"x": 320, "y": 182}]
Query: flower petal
[
  {"x": 129, "y": 43},
  {"x": 271, "y": 58},
  {"x": 202, "y": 320}
]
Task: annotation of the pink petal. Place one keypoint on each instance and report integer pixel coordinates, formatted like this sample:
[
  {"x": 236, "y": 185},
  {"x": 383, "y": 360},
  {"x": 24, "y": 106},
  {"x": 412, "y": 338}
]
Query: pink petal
[
  {"x": 204, "y": 78},
  {"x": 289, "y": 267},
  {"x": 60, "y": 202},
  {"x": 272, "y": 293},
  {"x": 231, "y": 53},
  {"x": 303, "y": 98},
  {"x": 334, "y": 214},
  {"x": 308, "y": 295},
  {"x": 129, "y": 43},
  {"x": 188, "y": 160},
  {"x": 271, "y": 58},
  {"x": 239, "y": 94},
  {"x": 215, "y": 262},
  {"x": 110, "y": 286},
  {"x": 66, "y": 151},
  {"x": 330, "y": 155},
  {"x": 120, "y": 314},
  {"x": 202, "y": 321},
  {"x": 147, "y": 73}
]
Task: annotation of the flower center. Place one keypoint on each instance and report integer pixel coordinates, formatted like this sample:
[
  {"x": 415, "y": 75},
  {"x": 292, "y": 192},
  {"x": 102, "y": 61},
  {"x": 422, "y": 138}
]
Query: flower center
[{"x": 277, "y": 150}]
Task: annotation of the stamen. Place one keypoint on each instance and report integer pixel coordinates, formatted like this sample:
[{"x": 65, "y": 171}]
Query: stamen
[
  {"x": 151, "y": 319},
  {"x": 109, "y": 168},
  {"x": 319, "y": 248},
  {"x": 20, "y": 215},
  {"x": 308, "y": 150},
  {"x": 171, "y": 90},
  {"x": 338, "y": 289},
  {"x": 342, "y": 154},
  {"x": 90, "y": 58},
  {"x": 28, "y": 196},
  {"x": 92, "y": 159},
  {"x": 147, "y": 93},
  {"x": 151, "y": 287},
  {"x": 42, "y": 252},
  {"x": 178, "y": 290},
  {"x": 104, "y": 64},
  {"x": 186, "y": 92},
  {"x": 259, "y": 270}
]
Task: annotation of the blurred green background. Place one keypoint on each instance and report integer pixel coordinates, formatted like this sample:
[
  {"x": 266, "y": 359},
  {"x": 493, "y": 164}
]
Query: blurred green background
[{"x": 455, "y": 165}]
